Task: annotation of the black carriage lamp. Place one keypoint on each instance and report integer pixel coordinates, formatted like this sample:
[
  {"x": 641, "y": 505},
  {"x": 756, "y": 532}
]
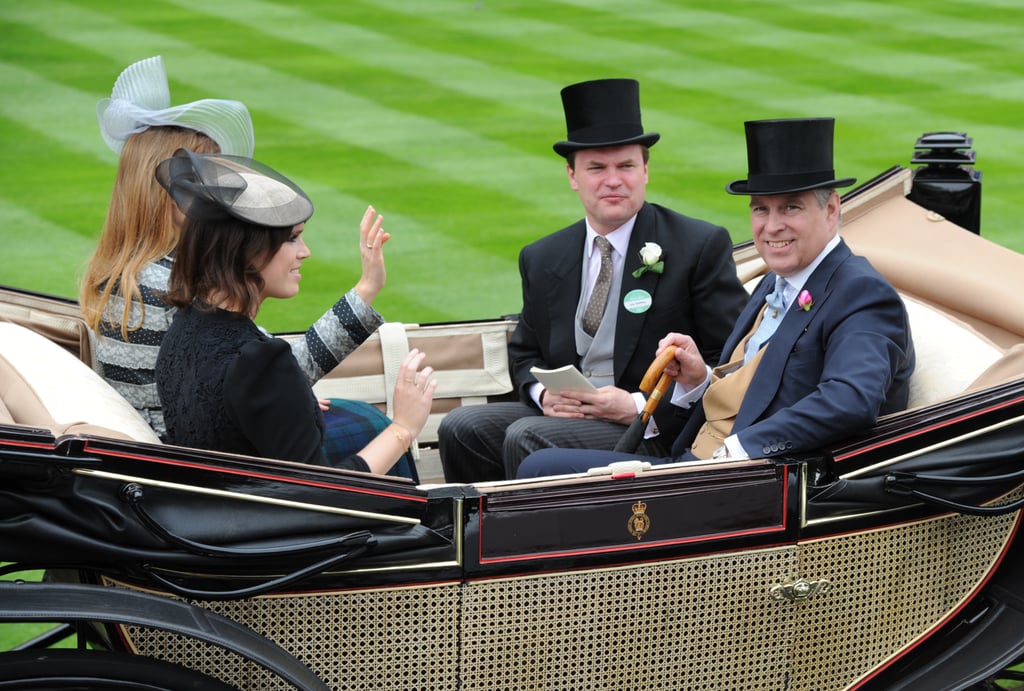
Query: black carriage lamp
[{"x": 946, "y": 182}]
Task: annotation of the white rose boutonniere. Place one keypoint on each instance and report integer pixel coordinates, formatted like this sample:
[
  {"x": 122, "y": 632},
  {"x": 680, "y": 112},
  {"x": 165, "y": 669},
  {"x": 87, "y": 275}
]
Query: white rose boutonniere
[{"x": 650, "y": 255}]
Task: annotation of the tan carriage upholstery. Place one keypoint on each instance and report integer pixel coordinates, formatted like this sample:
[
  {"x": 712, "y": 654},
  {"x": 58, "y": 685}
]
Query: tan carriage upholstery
[
  {"x": 972, "y": 336},
  {"x": 937, "y": 262},
  {"x": 42, "y": 385},
  {"x": 60, "y": 321},
  {"x": 470, "y": 362}
]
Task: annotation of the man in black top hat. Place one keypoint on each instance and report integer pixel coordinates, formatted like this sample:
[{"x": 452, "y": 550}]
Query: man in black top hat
[
  {"x": 822, "y": 348},
  {"x": 663, "y": 272}
]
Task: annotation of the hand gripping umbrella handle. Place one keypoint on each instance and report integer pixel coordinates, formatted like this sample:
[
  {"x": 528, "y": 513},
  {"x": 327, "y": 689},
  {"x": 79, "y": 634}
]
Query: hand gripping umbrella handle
[{"x": 655, "y": 382}]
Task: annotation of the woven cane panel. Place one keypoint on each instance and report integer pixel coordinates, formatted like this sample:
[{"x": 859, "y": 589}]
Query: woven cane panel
[
  {"x": 703, "y": 623},
  {"x": 380, "y": 640},
  {"x": 889, "y": 587}
]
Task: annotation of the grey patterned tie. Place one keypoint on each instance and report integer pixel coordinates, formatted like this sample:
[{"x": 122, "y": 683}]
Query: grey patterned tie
[
  {"x": 599, "y": 296},
  {"x": 773, "y": 314}
]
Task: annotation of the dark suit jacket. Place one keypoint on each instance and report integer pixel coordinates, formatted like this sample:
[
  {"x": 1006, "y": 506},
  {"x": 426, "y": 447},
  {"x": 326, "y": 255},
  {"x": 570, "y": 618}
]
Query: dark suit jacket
[
  {"x": 827, "y": 372},
  {"x": 698, "y": 294}
]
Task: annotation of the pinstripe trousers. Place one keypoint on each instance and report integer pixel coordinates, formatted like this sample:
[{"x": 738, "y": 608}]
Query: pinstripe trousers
[{"x": 484, "y": 443}]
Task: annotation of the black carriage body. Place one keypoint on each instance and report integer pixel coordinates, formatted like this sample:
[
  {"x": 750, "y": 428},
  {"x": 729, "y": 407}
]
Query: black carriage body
[{"x": 718, "y": 573}]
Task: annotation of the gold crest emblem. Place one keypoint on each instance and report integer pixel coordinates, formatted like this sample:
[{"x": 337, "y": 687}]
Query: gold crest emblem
[{"x": 639, "y": 523}]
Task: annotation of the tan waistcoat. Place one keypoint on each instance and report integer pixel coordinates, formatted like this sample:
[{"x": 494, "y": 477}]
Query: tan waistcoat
[{"x": 722, "y": 400}]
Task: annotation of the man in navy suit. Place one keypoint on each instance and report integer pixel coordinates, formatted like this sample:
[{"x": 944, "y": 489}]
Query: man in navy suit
[
  {"x": 689, "y": 285},
  {"x": 822, "y": 348}
]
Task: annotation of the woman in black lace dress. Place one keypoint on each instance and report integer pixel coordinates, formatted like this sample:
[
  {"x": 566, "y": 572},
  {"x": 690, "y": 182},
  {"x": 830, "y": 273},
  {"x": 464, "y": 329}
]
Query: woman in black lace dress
[{"x": 225, "y": 383}]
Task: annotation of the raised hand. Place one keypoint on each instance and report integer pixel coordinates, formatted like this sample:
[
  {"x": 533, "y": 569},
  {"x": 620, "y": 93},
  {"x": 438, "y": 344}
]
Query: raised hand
[{"x": 371, "y": 252}]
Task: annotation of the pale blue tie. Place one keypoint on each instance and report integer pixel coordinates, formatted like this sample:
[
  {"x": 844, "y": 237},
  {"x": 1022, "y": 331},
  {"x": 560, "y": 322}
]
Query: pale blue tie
[{"x": 773, "y": 315}]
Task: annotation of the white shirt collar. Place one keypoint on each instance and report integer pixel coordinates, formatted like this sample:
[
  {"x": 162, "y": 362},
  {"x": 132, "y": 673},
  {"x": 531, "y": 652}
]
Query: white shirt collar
[{"x": 619, "y": 238}]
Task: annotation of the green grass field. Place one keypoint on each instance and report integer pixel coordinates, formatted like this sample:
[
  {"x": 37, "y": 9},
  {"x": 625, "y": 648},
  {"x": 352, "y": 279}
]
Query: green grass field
[{"x": 442, "y": 114}]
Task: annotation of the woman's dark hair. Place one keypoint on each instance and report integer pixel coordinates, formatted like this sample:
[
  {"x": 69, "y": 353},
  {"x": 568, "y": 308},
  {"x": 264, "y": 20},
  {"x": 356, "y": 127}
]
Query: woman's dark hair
[{"x": 220, "y": 261}]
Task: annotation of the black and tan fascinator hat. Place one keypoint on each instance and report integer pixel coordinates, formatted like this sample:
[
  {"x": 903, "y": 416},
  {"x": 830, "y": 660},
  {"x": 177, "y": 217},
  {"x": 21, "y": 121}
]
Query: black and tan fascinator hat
[
  {"x": 603, "y": 113},
  {"x": 142, "y": 99},
  {"x": 213, "y": 186},
  {"x": 788, "y": 155}
]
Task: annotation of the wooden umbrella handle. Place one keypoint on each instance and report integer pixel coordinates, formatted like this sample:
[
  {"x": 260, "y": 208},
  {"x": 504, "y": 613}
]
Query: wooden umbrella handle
[
  {"x": 654, "y": 372},
  {"x": 655, "y": 382}
]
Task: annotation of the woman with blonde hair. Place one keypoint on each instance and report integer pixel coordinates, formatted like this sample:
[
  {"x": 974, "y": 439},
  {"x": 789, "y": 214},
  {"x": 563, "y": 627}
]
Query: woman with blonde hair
[
  {"x": 123, "y": 290},
  {"x": 121, "y": 295}
]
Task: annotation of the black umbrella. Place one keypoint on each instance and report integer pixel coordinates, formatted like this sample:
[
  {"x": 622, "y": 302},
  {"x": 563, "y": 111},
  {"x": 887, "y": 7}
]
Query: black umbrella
[{"x": 655, "y": 383}]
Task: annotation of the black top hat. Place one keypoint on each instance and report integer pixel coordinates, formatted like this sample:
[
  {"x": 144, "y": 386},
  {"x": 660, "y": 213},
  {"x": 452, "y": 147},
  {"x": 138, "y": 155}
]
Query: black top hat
[
  {"x": 603, "y": 112},
  {"x": 791, "y": 155}
]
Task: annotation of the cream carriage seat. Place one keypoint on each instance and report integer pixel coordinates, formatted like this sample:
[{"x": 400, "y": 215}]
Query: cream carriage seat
[
  {"x": 44, "y": 386},
  {"x": 951, "y": 355}
]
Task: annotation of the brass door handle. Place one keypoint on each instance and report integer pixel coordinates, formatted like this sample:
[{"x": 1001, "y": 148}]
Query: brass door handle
[{"x": 800, "y": 589}]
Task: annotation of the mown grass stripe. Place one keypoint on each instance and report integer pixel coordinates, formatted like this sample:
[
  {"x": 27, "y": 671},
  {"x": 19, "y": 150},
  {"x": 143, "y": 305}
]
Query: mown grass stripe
[
  {"x": 65, "y": 116},
  {"x": 936, "y": 25},
  {"x": 42, "y": 246},
  {"x": 378, "y": 49},
  {"x": 770, "y": 41}
]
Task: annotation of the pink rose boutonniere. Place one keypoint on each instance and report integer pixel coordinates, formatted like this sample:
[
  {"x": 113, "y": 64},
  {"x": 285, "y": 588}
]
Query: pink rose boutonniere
[
  {"x": 650, "y": 255},
  {"x": 805, "y": 300}
]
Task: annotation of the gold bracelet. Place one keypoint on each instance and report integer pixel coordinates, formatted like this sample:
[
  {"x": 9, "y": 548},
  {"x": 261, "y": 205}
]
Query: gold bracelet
[{"x": 402, "y": 439}]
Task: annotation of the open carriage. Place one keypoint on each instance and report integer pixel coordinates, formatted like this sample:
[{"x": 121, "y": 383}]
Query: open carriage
[{"x": 893, "y": 560}]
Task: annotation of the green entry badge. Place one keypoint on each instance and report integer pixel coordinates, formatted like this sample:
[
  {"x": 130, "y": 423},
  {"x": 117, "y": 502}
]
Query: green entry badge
[{"x": 637, "y": 301}]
